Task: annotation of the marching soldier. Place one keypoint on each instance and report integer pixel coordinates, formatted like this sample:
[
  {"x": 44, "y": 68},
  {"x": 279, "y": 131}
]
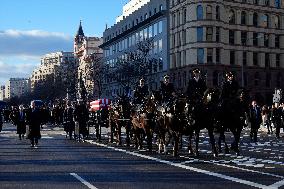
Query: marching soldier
[
  {"x": 81, "y": 116},
  {"x": 69, "y": 124},
  {"x": 141, "y": 92},
  {"x": 196, "y": 87},
  {"x": 167, "y": 89},
  {"x": 276, "y": 115},
  {"x": 255, "y": 120}
]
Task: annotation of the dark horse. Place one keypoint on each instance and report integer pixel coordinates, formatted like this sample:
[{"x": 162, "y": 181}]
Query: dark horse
[
  {"x": 120, "y": 117},
  {"x": 232, "y": 115},
  {"x": 143, "y": 122},
  {"x": 201, "y": 114}
]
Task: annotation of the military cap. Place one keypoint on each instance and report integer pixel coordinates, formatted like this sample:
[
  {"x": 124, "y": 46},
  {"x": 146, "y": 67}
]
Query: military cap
[
  {"x": 196, "y": 70},
  {"x": 229, "y": 74},
  {"x": 166, "y": 76}
]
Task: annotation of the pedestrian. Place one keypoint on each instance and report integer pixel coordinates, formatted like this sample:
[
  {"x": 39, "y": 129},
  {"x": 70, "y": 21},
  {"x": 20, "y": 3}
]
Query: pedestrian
[
  {"x": 266, "y": 118},
  {"x": 68, "y": 116},
  {"x": 255, "y": 120},
  {"x": 18, "y": 118},
  {"x": 81, "y": 116},
  {"x": 1, "y": 119},
  {"x": 34, "y": 120},
  {"x": 276, "y": 117}
]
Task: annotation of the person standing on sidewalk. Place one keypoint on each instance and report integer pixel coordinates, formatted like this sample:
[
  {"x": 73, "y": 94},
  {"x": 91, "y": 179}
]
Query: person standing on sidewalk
[
  {"x": 255, "y": 119},
  {"x": 34, "y": 120}
]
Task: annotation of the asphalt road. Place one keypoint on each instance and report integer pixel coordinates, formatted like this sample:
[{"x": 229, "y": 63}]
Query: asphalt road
[{"x": 64, "y": 163}]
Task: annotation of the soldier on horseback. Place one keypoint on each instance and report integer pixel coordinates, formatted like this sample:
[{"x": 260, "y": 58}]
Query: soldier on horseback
[
  {"x": 167, "y": 90},
  {"x": 230, "y": 87},
  {"x": 196, "y": 88},
  {"x": 141, "y": 92}
]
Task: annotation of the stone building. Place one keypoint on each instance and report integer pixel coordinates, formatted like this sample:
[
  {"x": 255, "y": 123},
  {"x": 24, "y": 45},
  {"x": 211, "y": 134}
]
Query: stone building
[{"x": 243, "y": 36}]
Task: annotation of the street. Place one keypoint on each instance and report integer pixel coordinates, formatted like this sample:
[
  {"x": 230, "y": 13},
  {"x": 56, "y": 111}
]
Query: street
[{"x": 62, "y": 163}]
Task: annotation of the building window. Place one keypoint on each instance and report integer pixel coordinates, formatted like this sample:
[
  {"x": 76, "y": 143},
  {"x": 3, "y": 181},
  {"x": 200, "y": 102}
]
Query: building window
[
  {"x": 178, "y": 18},
  {"x": 200, "y": 55},
  {"x": 244, "y": 58},
  {"x": 264, "y": 21},
  {"x": 174, "y": 21},
  {"x": 277, "y": 22},
  {"x": 209, "y": 33},
  {"x": 199, "y": 11},
  {"x": 184, "y": 16},
  {"x": 199, "y": 34},
  {"x": 160, "y": 26},
  {"x": 232, "y": 57},
  {"x": 266, "y": 40},
  {"x": 243, "y": 17},
  {"x": 217, "y": 56},
  {"x": 231, "y": 37},
  {"x": 217, "y": 34},
  {"x": 255, "y": 59},
  {"x": 277, "y": 41},
  {"x": 277, "y": 3},
  {"x": 184, "y": 36},
  {"x": 161, "y": 7},
  {"x": 244, "y": 37},
  {"x": 266, "y": 2},
  {"x": 255, "y": 19},
  {"x": 267, "y": 60},
  {"x": 217, "y": 13},
  {"x": 209, "y": 55},
  {"x": 255, "y": 39},
  {"x": 255, "y": 2},
  {"x": 209, "y": 12},
  {"x": 277, "y": 60},
  {"x": 232, "y": 17}
]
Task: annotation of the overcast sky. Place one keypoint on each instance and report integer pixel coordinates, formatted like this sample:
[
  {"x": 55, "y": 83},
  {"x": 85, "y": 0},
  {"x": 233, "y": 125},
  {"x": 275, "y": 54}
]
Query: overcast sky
[{"x": 31, "y": 28}]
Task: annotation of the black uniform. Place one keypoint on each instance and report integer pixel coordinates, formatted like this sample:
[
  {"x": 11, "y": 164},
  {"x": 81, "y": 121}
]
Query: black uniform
[
  {"x": 230, "y": 89},
  {"x": 141, "y": 92},
  {"x": 255, "y": 119},
  {"x": 167, "y": 90},
  {"x": 81, "y": 115},
  {"x": 195, "y": 90},
  {"x": 277, "y": 114},
  {"x": 69, "y": 124}
]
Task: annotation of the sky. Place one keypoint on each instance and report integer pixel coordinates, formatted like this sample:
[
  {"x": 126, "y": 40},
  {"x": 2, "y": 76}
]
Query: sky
[{"x": 31, "y": 28}]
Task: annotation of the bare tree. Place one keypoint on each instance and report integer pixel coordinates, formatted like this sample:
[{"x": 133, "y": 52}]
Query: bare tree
[{"x": 135, "y": 64}]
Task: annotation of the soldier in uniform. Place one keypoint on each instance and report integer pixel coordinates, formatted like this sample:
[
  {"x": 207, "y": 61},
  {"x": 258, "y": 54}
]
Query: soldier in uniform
[
  {"x": 141, "y": 92},
  {"x": 69, "y": 124},
  {"x": 255, "y": 119},
  {"x": 276, "y": 116},
  {"x": 81, "y": 115},
  {"x": 167, "y": 89},
  {"x": 196, "y": 87},
  {"x": 230, "y": 87}
]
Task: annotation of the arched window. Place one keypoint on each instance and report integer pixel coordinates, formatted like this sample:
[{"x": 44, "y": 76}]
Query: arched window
[
  {"x": 232, "y": 17},
  {"x": 199, "y": 12},
  {"x": 243, "y": 17},
  {"x": 264, "y": 21},
  {"x": 277, "y": 22},
  {"x": 217, "y": 13},
  {"x": 255, "y": 19},
  {"x": 174, "y": 20},
  {"x": 209, "y": 12},
  {"x": 184, "y": 16},
  {"x": 161, "y": 7}
]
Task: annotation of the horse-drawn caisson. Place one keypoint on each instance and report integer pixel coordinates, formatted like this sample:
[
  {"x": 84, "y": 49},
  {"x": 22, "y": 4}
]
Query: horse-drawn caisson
[{"x": 99, "y": 115}]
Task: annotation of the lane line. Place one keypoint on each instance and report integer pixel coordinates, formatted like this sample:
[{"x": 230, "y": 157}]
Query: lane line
[
  {"x": 233, "y": 179},
  {"x": 277, "y": 184},
  {"x": 83, "y": 181}
]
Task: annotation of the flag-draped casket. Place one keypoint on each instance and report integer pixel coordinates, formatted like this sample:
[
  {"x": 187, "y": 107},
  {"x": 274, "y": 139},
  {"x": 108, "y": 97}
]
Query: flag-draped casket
[{"x": 100, "y": 104}]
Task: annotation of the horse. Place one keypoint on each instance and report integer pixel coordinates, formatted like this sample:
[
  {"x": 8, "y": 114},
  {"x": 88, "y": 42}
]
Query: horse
[
  {"x": 232, "y": 116},
  {"x": 143, "y": 122},
  {"x": 120, "y": 117},
  {"x": 201, "y": 114}
]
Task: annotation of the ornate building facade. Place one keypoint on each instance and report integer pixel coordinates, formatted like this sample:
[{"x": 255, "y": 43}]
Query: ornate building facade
[
  {"x": 243, "y": 36},
  {"x": 86, "y": 50}
]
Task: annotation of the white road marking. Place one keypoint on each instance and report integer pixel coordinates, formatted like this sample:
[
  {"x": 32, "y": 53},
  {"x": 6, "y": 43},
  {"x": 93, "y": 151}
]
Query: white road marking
[
  {"x": 180, "y": 165},
  {"x": 277, "y": 184},
  {"x": 83, "y": 181}
]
